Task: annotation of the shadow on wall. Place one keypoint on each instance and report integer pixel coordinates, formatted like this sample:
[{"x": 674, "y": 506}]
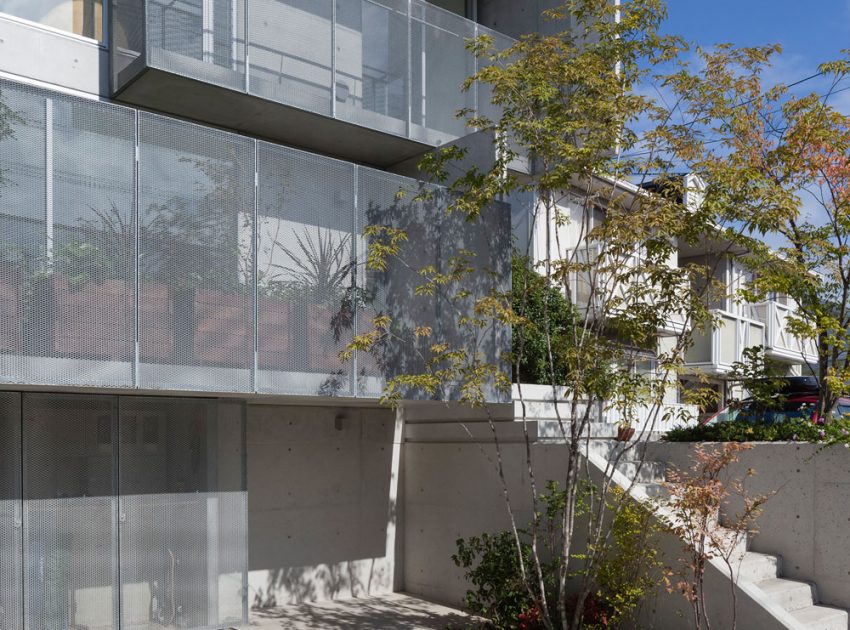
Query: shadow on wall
[{"x": 322, "y": 513}]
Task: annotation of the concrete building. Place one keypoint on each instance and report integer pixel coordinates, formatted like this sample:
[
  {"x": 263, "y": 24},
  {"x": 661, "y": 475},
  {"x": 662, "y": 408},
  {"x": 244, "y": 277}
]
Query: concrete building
[{"x": 184, "y": 188}]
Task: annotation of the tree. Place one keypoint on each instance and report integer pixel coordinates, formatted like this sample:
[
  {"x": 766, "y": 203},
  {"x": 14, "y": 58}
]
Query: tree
[
  {"x": 778, "y": 167},
  {"x": 570, "y": 103}
]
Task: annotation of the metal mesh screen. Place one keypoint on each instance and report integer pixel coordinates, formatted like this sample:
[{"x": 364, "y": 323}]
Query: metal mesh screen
[
  {"x": 66, "y": 244},
  {"x": 200, "y": 39},
  {"x": 127, "y": 39},
  {"x": 372, "y": 63},
  {"x": 196, "y": 257},
  {"x": 183, "y": 514},
  {"x": 70, "y": 538},
  {"x": 440, "y": 64},
  {"x": 306, "y": 232},
  {"x": 291, "y": 52},
  {"x": 393, "y": 292},
  {"x": 11, "y": 592}
]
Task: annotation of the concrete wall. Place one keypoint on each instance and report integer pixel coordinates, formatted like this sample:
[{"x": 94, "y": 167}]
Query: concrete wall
[
  {"x": 51, "y": 56},
  {"x": 452, "y": 490},
  {"x": 322, "y": 485},
  {"x": 808, "y": 519}
]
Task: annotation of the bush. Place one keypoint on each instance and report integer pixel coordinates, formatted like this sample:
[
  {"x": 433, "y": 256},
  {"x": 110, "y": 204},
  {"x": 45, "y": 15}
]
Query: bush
[
  {"x": 530, "y": 295},
  {"x": 793, "y": 430},
  {"x": 629, "y": 569}
]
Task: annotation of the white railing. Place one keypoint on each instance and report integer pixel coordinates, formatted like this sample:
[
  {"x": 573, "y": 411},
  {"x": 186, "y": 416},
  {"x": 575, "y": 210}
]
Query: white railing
[
  {"x": 716, "y": 350},
  {"x": 779, "y": 341}
]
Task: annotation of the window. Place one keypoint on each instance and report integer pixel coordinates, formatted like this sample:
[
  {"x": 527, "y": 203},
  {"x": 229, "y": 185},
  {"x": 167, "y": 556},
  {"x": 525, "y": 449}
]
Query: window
[{"x": 82, "y": 17}]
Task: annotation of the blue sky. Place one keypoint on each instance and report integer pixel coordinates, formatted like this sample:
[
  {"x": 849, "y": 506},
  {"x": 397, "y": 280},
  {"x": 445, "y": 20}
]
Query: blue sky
[{"x": 810, "y": 31}]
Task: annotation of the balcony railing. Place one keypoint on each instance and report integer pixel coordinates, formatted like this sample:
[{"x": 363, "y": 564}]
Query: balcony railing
[
  {"x": 141, "y": 251},
  {"x": 395, "y": 66},
  {"x": 715, "y": 350},
  {"x": 779, "y": 342}
]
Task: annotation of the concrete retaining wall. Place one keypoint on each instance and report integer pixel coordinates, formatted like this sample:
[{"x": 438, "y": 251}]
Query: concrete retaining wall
[
  {"x": 807, "y": 521},
  {"x": 322, "y": 503}
]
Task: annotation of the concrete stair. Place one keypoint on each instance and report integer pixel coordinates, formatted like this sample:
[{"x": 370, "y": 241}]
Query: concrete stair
[{"x": 764, "y": 571}]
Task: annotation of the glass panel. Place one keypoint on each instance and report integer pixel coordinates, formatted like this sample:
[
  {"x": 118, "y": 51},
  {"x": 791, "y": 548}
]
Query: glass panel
[
  {"x": 11, "y": 554},
  {"x": 183, "y": 514},
  {"x": 290, "y": 46},
  {"x": 305, "y": 223},
  {"x": 371, "y": 70},
  {"x": 440, "y": 64},
  {"x": 82, "y": 17},
  {"x": 70, "y": 564},
  {"x": 728, "y": 332},
  {"x": 196, "y": 259}
]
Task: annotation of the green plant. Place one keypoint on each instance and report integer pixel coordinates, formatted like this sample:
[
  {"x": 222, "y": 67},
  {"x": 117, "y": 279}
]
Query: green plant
[
  {"x": 792, "y": 430},
  {"x": 83, "y": 263},
  {"x": 531, "y": 296},
  {"x": 630, "y": 568}
]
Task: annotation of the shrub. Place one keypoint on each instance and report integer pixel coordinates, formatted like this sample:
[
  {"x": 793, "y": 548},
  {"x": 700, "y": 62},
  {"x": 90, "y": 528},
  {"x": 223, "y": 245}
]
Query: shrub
[{"x": 792, "y": 430}]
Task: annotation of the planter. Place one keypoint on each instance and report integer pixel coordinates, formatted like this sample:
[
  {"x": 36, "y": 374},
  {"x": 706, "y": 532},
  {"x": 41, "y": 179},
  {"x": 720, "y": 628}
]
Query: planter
[
  {"x": 94, "y": 321},
  {"x": 11, "y": 321},
  {"x": 223, "y": 332},
  {"x": 275, "y": 333},
  {"x": 322, "y": 350},
  {"x": 624, "y": 434},
  {"x": 156, "y": 322}
]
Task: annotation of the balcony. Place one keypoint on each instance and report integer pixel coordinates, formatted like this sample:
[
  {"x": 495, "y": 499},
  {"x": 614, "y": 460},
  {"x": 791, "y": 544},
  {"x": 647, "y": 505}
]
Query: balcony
[
  {"x": 780, "y": 344},
  {"x": 376, "y": 81},
  {"x": 715, "y": 351},
  {"x": 141, "y": 251}
]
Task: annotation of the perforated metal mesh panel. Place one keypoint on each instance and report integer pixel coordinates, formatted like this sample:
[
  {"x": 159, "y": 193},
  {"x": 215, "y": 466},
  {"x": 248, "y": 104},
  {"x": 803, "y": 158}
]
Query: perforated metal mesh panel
[
  {"x": 66, "y": 244},
  {"x": 440, "y": 64},
  {"x": 70, "y": 539},
  {"x": 196, "y": 257},
  {"x": 306, "y": 239},
  {"x": 11, "y": 589},
  {"x": 480, "y": 245},
  {"x": 372, "y": 63},
  {"x": 290, "y": 44},
  {"x": 183, "y": 514},
  {"x": 127, "y": 39},
  {"x": 200, "y": 39},
  {"x": 393, "y": 292}
]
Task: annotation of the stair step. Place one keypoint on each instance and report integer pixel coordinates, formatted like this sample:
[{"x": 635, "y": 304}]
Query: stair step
[
  {"x": 647, "y": 472},
  {"x": 609, "y": 449},
  {"x": 654, "y": 490},
  {"x": 790, "y": 594},
  {"x": 822, "y": 618},
  {"x": 757, "y": 567}
]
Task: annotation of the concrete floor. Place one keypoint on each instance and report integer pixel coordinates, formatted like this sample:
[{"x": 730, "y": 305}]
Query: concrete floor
[{"x": 398, "y": 610}]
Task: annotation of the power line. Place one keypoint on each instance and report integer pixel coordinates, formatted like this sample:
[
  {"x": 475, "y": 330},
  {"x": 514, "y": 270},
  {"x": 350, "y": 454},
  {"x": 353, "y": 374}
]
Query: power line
[{"x": 742, "y": 104}]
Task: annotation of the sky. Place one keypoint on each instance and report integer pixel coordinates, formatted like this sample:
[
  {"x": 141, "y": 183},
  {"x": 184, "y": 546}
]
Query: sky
[{"x": 810, "y": 31}]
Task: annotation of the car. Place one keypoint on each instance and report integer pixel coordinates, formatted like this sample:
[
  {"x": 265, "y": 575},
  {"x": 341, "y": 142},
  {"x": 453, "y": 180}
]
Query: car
[{"x": 797, "y": 399}]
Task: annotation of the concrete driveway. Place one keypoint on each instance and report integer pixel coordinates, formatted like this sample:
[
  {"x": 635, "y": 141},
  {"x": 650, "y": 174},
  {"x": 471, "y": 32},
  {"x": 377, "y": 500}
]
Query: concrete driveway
[{"x": 398, "y": 610}]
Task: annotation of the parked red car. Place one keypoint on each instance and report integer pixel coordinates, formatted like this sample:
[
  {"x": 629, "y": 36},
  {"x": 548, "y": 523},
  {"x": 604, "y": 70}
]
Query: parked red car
[{"x": 799, "y": 400}]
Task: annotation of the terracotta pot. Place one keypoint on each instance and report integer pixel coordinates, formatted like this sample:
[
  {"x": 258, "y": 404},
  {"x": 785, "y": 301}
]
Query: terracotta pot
[
  {"x": 624, "y": 434},
  {"x": 156, "y": 322}
]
